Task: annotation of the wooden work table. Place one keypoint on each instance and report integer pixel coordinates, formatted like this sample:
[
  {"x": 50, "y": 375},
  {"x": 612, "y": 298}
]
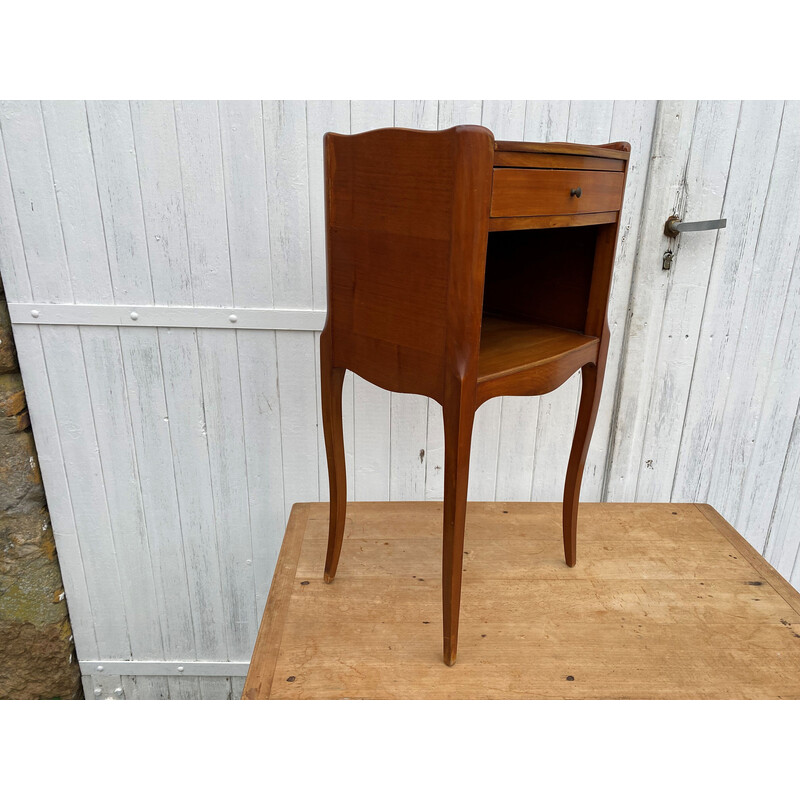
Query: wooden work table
[{"x": 667, "y": 601}]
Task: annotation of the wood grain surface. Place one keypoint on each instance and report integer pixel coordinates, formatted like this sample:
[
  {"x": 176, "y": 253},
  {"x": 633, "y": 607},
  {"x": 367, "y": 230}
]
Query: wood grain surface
[
  {"x": 542, "y": 192},
  {"x": 413, "y": 279},
  {"x": 666, "y": 601}
]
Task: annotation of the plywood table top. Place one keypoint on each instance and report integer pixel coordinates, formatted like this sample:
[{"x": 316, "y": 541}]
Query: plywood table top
[{"x": 666, "y": 601}]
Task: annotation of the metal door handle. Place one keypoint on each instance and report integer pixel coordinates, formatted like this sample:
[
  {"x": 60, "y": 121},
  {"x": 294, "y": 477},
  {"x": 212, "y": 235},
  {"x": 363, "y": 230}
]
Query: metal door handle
[{"x": 674, "y": 226}]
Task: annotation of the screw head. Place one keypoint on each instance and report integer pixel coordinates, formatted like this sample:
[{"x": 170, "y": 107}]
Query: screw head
[
  {"x": 181, "y": 669},
  {"x": 98, "y": 692},
  {"x": 233, "y": 318},
  {"x": 100, "y": 668},
  {"x": 118, "y": 691},
  {"x": 35, "y": 313},
  {"x": 134, "y": 316}
]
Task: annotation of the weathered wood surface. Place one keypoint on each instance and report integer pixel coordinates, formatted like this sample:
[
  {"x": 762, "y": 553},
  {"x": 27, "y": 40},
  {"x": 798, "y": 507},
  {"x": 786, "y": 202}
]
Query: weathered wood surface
[
  {"x": 667, "y": 601},
  {"x": 105, "y": 202}
]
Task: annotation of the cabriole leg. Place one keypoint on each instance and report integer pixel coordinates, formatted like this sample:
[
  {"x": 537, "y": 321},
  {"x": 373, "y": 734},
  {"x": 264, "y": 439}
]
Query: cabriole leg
[
  {"x": 592, "y": 381},
  {"x": 458, "y": 420},
  {"x": 332, "y": 379}
]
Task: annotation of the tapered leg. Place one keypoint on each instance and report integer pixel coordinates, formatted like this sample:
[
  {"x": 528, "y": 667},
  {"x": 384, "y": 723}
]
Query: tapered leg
[
  {"x": 592, "y": 381},
  {"x": 332, "y": 380},
  {"x": 458, "y": 419}
]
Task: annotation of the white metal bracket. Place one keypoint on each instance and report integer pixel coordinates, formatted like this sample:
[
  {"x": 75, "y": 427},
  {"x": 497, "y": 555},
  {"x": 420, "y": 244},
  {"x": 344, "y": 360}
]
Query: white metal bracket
[
  {"x": 280, "y": 319},
  {"x": 203, "y": 669}
]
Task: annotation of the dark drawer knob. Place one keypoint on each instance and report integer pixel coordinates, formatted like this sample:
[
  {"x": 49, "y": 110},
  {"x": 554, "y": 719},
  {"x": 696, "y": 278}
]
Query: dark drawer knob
[{"x": 575, "y": 192}]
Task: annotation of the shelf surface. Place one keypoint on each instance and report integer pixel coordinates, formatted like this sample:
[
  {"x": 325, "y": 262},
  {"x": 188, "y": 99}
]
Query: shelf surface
[{"x": 510, "y": 346}]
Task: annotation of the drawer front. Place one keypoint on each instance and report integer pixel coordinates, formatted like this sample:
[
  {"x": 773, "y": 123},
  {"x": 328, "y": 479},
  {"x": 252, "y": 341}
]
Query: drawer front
[{"x": 544, "y": 192}]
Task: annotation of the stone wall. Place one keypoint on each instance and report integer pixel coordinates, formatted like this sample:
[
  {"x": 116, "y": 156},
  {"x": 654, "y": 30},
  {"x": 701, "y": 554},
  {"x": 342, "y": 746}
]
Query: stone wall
[{"x": 37, "y": 657}]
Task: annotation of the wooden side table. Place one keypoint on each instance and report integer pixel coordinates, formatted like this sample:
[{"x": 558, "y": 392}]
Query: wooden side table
[{"x": 461, "y": 268}]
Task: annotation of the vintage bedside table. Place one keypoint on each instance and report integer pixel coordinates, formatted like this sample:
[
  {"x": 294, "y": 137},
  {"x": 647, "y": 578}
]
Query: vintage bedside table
[{"x": 462, "y": 269}]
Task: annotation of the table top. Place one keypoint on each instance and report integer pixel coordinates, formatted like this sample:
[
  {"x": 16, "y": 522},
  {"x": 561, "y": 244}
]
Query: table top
[
  {"x": 666, "y": 601},
  {"x": 616, "y": 150}
]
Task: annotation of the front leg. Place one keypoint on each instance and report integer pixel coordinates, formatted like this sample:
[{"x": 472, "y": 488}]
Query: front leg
[
  {"x": 332, "y": 379},
  {"x": 591, "y": 386},
  {"x": 458, "y": 417}
]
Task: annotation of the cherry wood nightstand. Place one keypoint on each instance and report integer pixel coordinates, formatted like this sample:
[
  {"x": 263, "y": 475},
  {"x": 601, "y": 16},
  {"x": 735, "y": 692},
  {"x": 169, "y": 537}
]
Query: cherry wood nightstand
[{"x": 462, "y": 268}]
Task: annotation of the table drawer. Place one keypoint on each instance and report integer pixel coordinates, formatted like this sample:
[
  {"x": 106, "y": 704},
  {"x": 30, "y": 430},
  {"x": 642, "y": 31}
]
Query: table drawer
[{"x": 540, "y": 192}]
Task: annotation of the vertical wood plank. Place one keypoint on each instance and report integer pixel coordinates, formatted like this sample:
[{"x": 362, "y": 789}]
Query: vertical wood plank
[
  {"x": 35, "y": 206},
  {"x": 69, "y": 146},
  {"x": 245, "y": 179},
  {"x": 775, "y": 259},
  {"x": 670, "y": 152},
  {"x": 203, "y": 189},
  {"x": 700, "y": 454},
  {"x": 184, "y": 392},
  {"x": 416, "y": 114},
  {"x": 16, "y": 283},
  {"x": 116, "y": 175},
  {"x": 687, "y": 286},
  {"x": 776, "y": 241},
  {"x": 144, "y": 687},
  {"x": 782, "y": 548},
  {"x": 158, "y": 162},
  {"x": 151, "y": 428},
  {"x": 286, "y": 152},
  {"x": 117, "y": 178},
  {"x": 244, "y": 171},
  {"x": 64, "y": 363},
  {"x": 215, "y": 688},
  {"x": 287, "y": 195},
  {"x": 777, "y": 422},
  {"x": 184, "y": 688},
  {"x": 458, "y": 112},
  {"x": 546, "y": 120}
]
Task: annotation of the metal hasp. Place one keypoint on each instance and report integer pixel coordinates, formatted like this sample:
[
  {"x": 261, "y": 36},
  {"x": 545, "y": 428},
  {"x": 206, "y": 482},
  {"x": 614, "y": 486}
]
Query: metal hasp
[{"x": 674, "y": 226}]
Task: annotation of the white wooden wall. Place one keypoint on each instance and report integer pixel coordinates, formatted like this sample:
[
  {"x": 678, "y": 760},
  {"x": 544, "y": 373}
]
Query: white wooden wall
[{"x": 173, "y": 445}]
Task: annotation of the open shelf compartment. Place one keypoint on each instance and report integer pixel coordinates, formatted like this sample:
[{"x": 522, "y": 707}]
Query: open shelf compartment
[
  {"x": 536, "y": 296},
  {"x": 510, "y": 346}
]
